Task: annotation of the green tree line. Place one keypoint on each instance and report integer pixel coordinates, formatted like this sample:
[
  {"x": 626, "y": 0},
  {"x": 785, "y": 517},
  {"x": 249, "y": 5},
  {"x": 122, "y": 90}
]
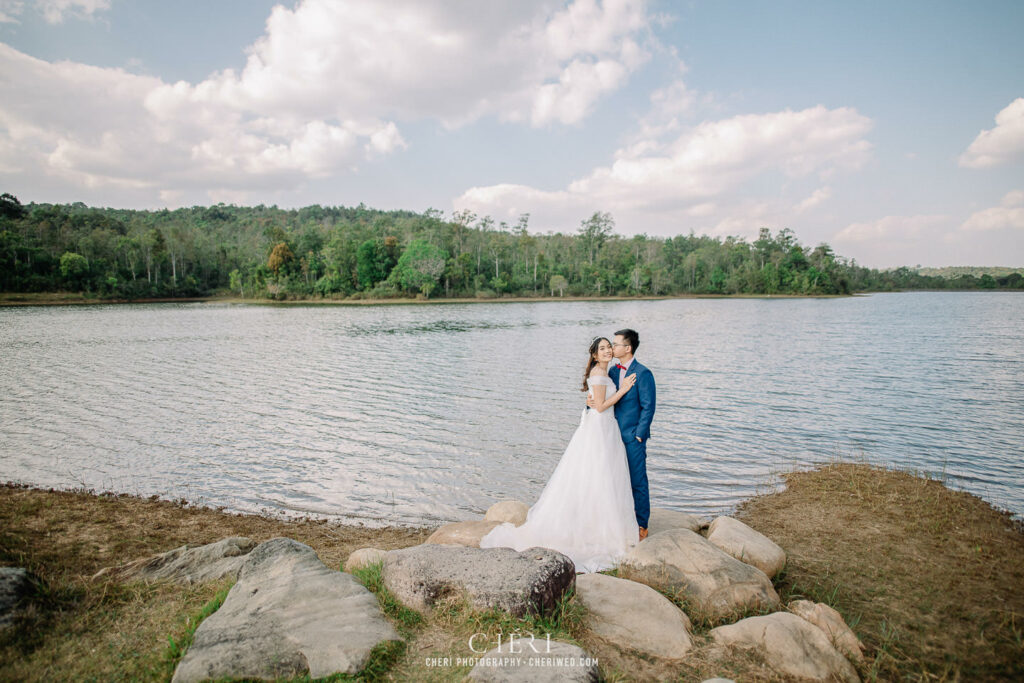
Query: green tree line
[{"x": 358, "y": 252}]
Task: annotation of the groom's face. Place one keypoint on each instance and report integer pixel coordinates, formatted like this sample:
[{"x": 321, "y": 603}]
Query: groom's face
[{"x": 620, "y": 347}]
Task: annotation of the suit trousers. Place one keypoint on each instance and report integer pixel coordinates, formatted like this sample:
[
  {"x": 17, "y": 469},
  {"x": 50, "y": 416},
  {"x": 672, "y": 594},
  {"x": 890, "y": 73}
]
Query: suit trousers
[{"x": 636, "y": 456}]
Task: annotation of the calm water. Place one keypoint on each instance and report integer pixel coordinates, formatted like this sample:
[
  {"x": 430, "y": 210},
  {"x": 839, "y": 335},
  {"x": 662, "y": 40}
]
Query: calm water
[{"x": 418, "y": 414}]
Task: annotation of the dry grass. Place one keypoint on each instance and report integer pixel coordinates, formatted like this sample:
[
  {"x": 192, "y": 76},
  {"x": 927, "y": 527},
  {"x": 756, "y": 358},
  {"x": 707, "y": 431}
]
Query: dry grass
[
  {"x": 80, "y": 629},
  {"x": 930, "y": 579}
]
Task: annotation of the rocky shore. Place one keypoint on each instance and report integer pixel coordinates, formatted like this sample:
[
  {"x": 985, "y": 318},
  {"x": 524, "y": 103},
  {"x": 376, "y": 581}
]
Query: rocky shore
[{"x": 850, "y": 573}]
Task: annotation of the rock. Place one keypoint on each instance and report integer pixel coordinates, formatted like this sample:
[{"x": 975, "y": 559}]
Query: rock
[
  {"x": 14, "y": 585},
  {"x": 537, "y": 662},
  {"x": 191, "y": 563},
  {"x": 287, "y": 615},
  {"x": 507, "y": 511},
  {"x": 790, "y": 645},
  {"x": 663, "y": 520},
  {"x": 363, "y": 557},
  {"x": 747, "y": 545},
  {"x": 517, "y": 582},
  {"x": 462, "y": 533},
  {"x": 717, "y": 584},
  {"x": 633, "y": 616},
  {"x": 718, "y": 680},
  {"x": 832, "y": 624}
]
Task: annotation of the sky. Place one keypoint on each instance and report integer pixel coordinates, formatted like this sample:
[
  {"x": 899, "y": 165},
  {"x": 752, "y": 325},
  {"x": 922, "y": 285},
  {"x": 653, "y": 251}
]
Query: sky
[{"x": 893, "y": 131}]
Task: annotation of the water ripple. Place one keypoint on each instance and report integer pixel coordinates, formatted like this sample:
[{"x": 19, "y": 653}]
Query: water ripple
[{"x": 421, "y": 414}]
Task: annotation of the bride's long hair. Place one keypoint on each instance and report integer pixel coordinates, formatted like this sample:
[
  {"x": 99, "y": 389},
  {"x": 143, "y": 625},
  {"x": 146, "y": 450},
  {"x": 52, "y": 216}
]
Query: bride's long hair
[{"x": 591, "y": 361}]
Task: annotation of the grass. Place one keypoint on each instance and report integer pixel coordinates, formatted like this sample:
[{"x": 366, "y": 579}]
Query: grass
[
  {"x": 928, "y": 577},
  {"x": 176, "y": 647}
]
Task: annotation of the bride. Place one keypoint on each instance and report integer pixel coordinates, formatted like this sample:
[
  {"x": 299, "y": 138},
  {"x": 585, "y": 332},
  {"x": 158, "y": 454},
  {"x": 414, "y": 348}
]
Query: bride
[{"x": 586, "y": 509}]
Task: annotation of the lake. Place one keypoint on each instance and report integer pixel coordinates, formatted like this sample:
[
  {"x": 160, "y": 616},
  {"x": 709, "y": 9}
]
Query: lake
[{"x": 418, "y": 414}]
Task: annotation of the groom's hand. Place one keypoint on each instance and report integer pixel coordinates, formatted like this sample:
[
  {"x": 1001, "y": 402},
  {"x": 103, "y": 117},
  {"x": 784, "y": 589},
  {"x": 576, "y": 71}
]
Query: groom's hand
[{"x": 590, "y": 402}]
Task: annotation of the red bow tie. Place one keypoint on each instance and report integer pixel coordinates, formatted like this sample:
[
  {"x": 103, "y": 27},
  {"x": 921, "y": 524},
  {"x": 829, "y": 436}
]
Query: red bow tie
[{"x": 621, "y": 367}]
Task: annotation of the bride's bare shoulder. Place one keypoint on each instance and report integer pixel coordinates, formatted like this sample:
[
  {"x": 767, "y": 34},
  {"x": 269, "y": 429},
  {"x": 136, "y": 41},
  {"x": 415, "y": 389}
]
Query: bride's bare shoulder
[{"x": 596, "y": 371}]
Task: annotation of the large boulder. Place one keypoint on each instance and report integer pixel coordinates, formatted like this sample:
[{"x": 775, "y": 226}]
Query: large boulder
[
  {"x": 518, "y": 582},
  {"x": 512, "y": 511},
  {"x": 747, "y": 545},
  {"x": 287, "y": 615},
  {"x": 633, "y": 616},
  {"x": 663, "y": 520},
  {"x": 462, "y": 533},
  {"x": 832, "y": 624},
  {"x": 790, "y": 645},
  {"x": 363, "y": 557},
  {"x": 14, "y": 585},
  {"x": 717, "y": 584},
  {"x": 191, "y": 563},
  {"x": 541, "y": 661}
]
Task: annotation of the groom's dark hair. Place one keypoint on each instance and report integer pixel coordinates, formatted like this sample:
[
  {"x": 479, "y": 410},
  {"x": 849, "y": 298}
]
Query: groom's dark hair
[{"x": 631, "y": 337}]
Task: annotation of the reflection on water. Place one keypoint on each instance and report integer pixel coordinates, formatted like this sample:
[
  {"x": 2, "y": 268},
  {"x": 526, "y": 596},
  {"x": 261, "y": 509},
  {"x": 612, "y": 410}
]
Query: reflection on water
[{"x": 418, "y": 414}]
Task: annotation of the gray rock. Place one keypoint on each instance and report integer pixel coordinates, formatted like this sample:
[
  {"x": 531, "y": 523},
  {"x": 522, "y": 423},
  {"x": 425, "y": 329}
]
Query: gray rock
[
  {"x": 790, "y": 645},
  {"x": 719, "y": 585},
  {"x": 663, "y": 520},
  {"x": 512, "y": 511},
  {"x": 541, "y": 662},
  {"x": 517, "y": 582},
  {"x": 364, "y": 557},
  {"x": 14, "y": 585},
  {"x": 633, "y": 616},
  {"x": 188, "y": 564},
  {"x": 832, "y": 625},
  {"x": 462, "y": 533},
  {"x": 287, "y": 615},
  {"x": 747, "y": 545}
]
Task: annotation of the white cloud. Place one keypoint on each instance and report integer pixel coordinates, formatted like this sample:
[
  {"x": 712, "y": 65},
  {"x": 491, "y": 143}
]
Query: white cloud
[
  {"x": 891, "y": 230},
  {"x": 10, "y": 10},
  {"x": 700, "y": 173},
  {"x": 820, "y": 195},
  {"x": 1000, "y": 145},
  {"x": 326, "y": 87},
  {"x": 1009, "y": 214},
  {"x": 53, "y": 11},
  {"x": 533, "y": 61}
]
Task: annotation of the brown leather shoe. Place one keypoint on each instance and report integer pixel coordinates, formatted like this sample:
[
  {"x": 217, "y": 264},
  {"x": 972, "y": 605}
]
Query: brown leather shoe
[{"x": 643, "y": 533}]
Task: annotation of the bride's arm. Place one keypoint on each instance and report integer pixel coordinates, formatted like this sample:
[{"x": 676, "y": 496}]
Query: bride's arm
[{"x": 599, "y": 402}]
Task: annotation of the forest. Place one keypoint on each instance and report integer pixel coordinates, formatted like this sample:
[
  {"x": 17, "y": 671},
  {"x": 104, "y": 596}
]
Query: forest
[{"x": 361, "y": 253}]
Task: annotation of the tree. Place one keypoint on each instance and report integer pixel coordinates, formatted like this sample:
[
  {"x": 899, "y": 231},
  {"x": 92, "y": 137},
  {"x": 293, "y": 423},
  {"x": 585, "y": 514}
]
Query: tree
[
  {"x": 557, "y": 282},
  {"x": 280, "y": 257},
  {"x": 74, "y": 267},
  {"x": 372, "y": 263},
  {"x": 595, "y": 231},
  {"x": 420, "y": 267},
  {"x": 235, "y": 279},
  {"x": 10, "y": 207}
]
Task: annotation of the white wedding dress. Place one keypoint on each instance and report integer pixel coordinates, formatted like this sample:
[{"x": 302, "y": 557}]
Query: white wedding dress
[{"x": 586, "y": 509}]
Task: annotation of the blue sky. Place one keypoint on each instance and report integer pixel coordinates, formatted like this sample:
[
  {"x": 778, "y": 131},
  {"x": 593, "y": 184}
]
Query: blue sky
[{"x": 892, "y": 131}]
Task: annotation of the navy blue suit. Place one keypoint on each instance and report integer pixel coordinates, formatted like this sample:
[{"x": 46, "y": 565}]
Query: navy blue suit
[{"x": 634, "y": 413}]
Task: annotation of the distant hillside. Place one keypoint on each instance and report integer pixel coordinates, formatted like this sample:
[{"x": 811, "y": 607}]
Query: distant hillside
[{"x": 953, "y": 272}]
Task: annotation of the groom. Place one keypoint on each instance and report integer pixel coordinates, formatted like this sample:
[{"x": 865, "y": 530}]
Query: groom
[{"x": 634, "y": 413}]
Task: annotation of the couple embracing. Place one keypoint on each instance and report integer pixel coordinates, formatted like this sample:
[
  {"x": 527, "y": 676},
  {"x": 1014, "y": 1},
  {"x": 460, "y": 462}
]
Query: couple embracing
[{"x": 595, "y": 506}]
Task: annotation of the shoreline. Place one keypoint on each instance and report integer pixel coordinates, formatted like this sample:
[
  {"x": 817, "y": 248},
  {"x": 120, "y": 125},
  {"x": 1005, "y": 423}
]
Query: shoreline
[
  {"x": 66, "y": 299},
  {"x": 926, "y": 575}
]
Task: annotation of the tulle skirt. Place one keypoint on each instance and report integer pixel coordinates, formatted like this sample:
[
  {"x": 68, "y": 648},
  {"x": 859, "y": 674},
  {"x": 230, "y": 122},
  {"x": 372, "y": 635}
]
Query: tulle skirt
[{"x": 586, "y": 508}]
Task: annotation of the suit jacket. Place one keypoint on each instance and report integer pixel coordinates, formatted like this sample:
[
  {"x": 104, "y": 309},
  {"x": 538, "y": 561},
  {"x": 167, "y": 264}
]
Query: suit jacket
[{"x": 635, "y": 410}]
